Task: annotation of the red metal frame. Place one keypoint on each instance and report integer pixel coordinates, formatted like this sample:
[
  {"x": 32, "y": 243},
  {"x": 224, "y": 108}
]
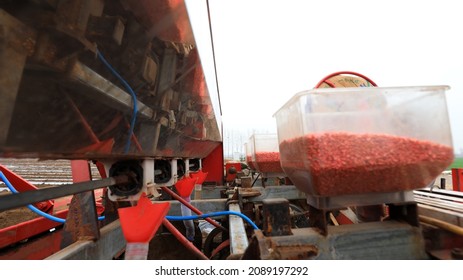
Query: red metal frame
[
  {"x": 37, "y": 249},
  {"x": 230, "y": 177},
  {"x": 22, "y": 231},
  {"x": 19, "y": 232},
  {"x": 213, "y": 165},
  {"x": 457, "y": 179}
]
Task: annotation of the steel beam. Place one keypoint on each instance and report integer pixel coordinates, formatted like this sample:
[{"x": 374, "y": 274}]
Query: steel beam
[
  {"x": 205, "y": 206},
  {"x": 338, "y": 202},
  {"x": 238, "y": 237},
  {"x": 22, "y": 199},
  {"x": 111, "y": 94},
  {"x": 110, "y": 244},
  {"x": 288, "y": 192}
]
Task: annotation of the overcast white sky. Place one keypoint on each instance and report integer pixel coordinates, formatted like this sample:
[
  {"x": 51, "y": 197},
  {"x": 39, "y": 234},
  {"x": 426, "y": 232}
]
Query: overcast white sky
[{"x": 266, "y": 51}]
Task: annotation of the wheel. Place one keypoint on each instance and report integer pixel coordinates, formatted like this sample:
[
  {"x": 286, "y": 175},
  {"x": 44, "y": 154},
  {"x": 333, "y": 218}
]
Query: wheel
[{"x": 217, "y": 239}]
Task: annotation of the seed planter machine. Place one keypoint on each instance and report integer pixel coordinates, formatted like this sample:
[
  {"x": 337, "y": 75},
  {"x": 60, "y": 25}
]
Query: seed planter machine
[{"x": 116, "y": 91}]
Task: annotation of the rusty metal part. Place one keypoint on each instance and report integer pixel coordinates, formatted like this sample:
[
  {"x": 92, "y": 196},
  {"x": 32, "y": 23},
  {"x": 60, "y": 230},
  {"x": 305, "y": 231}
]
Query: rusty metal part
[
  {"x": 106, "y": 28},
  {"x": 440, "y": 243},
  {"x": 167, "y": 20},
  {"x": 318, "y": 218},
  {"x": 267, "y": 248},
  {"x": 277, "y": 220},
  {"x": 389, "y": 240},
  {"x": 109, "y": 245},
  {"x": 21, "y": 199},
  {"x": 16, "y": 43},
  {"x": 246, "y": 182},
  {"x": 407, "y": 212},
  {"x": 60, "y": 39},
  {"x": 81, "y": 221}
]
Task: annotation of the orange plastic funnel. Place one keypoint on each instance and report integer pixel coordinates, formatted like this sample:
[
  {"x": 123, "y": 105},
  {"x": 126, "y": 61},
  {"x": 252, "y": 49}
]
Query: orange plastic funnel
[
  {"x": 201, "y": 176},
  {"x": 185, "y": 186},
  {"x": 140, "y": 223}
]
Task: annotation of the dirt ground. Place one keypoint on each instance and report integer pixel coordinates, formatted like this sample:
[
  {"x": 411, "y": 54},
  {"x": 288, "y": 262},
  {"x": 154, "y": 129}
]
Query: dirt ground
[{"x": 12, "y": 217}]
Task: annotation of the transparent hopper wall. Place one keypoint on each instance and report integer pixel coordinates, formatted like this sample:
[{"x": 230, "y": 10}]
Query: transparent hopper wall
[
  {"x": 266, "y": 155},
  {"x": 348, "y": 141}
]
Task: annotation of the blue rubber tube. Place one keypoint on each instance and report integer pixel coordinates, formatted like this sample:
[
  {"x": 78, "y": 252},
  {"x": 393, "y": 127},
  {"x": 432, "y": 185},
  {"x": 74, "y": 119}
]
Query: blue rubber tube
[
  {"x": 32, "y": 207},
  {"x": 132, "y": 93},
  {"x": 214, "y": 214}
]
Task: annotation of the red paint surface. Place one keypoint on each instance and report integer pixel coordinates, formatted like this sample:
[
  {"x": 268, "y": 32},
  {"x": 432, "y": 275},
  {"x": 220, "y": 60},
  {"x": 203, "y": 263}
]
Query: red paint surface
[
  {"x": 213, "y": 165},
  {"x": 200, "y": 176},
  {"x": 139, "y": 223},
  {"x": 167, "y": 19},
  {"x": 268, "y": 162},
  {"x": 231, "y": 176},
  {"x": 36, "y": 249},
  {"x": 457, "y": 179},
  {"x": 185, "y": 186},
  {"x": 15, "y": 233},
  {"x": 331, "y": 164}
]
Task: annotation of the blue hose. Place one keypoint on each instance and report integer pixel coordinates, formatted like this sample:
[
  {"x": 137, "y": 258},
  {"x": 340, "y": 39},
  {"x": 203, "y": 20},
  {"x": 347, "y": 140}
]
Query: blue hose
[
  {"x": 32, "y": 207},
  {"x": 214, "y": 214},
  {"x": 130, "y": 90}
]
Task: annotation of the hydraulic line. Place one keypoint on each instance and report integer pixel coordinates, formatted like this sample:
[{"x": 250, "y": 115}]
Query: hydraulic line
[
  {"x": 194, "y": 209},
  {"x": 26, "y": 198},
  {"x": 132, "y": 93},
  {"x": 32, "y": 207},
  {"x": 22, "y": 199},
  {"x": 214, "y": 214},
  {"x": 441, "y": 224}
]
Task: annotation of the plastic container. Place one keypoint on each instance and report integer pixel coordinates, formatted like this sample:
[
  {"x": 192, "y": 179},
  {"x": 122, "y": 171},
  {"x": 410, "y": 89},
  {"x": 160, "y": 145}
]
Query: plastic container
[
  {"x": 265, "y": 153},
  {"x": 349, "y": 141},
  {"x": 249, "y": 160}
]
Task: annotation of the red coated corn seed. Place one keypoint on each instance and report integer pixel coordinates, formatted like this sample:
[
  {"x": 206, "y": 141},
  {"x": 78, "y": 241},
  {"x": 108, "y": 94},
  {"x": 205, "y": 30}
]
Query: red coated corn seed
[
  {"x": 339, "y": 163},
  {"x": 268, "y": 162}
]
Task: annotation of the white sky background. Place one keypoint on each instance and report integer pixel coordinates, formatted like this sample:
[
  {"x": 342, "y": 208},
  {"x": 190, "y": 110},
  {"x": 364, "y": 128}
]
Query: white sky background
[{"x": 267, "y": 51}]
